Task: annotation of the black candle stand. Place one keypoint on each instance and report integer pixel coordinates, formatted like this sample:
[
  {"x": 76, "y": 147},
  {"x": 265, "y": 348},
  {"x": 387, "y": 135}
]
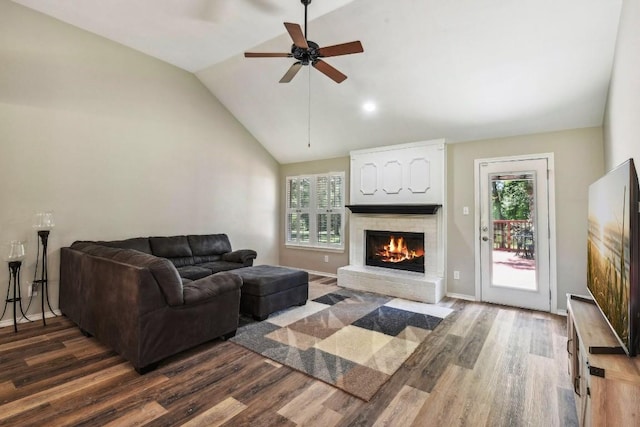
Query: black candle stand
[
  {"x": 14, "y": 276},
  {"x": 44, "y": 281}
]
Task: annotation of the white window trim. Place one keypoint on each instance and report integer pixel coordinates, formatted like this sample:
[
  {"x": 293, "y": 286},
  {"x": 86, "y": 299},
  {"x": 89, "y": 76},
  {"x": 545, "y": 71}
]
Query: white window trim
[{"x": 313, "y": 211}]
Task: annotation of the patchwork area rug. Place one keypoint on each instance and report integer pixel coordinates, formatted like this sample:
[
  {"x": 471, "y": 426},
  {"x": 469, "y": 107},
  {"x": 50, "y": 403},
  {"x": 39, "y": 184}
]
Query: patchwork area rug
[{"x": 352, "y": 340}]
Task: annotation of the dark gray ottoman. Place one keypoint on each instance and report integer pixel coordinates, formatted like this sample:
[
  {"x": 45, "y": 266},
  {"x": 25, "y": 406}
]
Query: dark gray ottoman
[{"x": 267, "y": 289}]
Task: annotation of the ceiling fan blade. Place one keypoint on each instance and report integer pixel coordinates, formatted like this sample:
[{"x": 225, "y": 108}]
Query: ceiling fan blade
[
  {"x": 295, "y": 31},
  {"x": 329, "y": 71},
  {"x": 341, "y": 49},
  {"x": 291, "y": 73},
  {"x": 266, "y": 55}
]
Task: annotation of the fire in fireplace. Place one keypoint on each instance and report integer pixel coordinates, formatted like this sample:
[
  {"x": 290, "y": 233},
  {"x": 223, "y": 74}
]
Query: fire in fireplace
[{"x": 393, "y": 249}]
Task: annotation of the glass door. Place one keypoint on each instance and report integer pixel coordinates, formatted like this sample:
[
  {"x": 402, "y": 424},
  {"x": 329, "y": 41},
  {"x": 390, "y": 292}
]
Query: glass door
[{"x": 514, "y": 233}]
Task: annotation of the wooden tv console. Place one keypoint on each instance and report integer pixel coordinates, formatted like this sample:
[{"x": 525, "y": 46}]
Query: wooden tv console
[{"x": 606, "y": 384}]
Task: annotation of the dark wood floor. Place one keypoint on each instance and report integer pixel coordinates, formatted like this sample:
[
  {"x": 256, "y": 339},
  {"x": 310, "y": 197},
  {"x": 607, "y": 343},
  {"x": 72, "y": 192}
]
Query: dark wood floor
[{"x": 484, "y": 365}]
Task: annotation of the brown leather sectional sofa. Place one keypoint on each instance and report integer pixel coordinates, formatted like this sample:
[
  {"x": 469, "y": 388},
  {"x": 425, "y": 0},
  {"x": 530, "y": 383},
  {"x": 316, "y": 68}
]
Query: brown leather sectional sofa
[{"x": 150, "y": 298}]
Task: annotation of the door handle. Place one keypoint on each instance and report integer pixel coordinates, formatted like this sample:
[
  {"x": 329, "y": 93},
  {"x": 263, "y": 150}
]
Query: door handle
[{"x": 485, "y": 238}]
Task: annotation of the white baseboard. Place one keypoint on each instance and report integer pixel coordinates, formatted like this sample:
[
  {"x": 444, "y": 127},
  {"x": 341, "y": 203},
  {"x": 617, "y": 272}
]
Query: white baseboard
[
  {"x": 33, "y": 316},
  {"x": 559, "y": 312},
  {"x": 317, "y": 273},
  {"x": 322, "y": 273},
  {"x": 461, "y": 296}
]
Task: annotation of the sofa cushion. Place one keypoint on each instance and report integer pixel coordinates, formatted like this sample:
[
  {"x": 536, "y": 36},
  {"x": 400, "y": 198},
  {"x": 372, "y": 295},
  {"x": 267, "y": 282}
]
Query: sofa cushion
[
  {"x": 137, "y": 243},
  {"x": 208, "y": 247},
  {"x": 211, "y": 286},
  {"x": 217, "y": 266},
  {"x": 95, "y": 249},
  {"x": 209, "y": 244},
  {"x": 206, "y": 258},
  {"x": 175, "y": 248},
  {"x": 193, "y": 272}
]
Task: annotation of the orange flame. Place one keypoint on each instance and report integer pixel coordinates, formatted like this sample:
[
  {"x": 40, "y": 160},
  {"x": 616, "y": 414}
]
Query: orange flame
[{"x": 397, "y": 251}]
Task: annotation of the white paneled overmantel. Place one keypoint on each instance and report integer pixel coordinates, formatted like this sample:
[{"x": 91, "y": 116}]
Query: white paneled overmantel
[{"x": 399, "y": 174}]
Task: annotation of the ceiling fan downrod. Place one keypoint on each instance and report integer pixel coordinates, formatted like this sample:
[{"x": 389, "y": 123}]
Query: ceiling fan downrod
[{"x": 305, "y": 3}]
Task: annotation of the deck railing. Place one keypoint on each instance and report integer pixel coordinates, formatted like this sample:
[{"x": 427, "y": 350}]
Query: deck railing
[{"x": 515, "y": 235}]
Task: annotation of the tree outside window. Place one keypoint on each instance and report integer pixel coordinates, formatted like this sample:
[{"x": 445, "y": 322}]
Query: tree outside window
[{"x": 315, "y": 210}]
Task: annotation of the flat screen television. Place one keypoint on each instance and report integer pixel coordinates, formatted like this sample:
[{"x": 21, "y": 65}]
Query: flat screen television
[{"x": 613, "y": 252}]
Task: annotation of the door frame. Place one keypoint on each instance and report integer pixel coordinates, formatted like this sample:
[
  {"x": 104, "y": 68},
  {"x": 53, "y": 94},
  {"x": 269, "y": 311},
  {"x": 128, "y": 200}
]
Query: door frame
[{"x": 553, "y": 285}]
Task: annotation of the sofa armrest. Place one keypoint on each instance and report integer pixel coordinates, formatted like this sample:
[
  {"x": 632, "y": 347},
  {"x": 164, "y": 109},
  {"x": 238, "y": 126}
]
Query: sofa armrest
[
  {"x": 210, "y": 287},
  {"x": 244, "y": 256}
]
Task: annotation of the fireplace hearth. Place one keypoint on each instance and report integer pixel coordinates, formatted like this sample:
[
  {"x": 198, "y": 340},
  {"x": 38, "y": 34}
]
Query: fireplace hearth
[{"x": 395, "y": 249}]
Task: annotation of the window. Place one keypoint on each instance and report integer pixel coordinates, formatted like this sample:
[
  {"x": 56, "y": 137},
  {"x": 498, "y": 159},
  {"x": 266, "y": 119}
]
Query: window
[{"x": 315, "y": 210}]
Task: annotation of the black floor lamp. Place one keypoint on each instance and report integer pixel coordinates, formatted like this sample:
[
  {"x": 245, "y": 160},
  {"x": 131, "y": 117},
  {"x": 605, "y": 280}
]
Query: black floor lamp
[
  {"x": 43, "y": 223},
  {"x": 15, "y": 257}
]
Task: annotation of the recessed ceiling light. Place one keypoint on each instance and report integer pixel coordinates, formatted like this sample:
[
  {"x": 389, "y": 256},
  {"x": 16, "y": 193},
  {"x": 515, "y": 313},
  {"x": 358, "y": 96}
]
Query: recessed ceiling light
[{"x": 369, "y": 106}]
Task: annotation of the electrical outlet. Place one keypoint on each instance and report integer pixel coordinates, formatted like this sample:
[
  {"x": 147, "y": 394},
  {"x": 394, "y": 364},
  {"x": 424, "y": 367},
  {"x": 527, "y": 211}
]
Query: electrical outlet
[
  {"x": 33, "y": 289},
  {"x": 456, "y": 275},
  {"x": 326, "y": 258}
]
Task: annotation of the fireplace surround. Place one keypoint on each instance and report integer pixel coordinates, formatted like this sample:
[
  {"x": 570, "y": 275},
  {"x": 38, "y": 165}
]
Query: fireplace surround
[{"x": 417, "y": 286}]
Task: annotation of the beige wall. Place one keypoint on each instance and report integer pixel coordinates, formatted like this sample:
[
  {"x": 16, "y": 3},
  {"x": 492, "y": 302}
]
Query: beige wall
[
  {"x": 118, "y": 145},
  {"x": 307, "y": 258},
  {"x": 578, "y": 156},
  {"x": 622, "y": 115}
]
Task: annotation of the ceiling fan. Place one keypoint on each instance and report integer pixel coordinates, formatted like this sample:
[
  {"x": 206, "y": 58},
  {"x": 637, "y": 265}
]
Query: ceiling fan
[{"x": 307, "y": 52}]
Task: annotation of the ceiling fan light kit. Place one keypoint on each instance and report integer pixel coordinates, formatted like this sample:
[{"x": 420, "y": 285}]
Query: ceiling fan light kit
[{"x": 308, "y": 52}]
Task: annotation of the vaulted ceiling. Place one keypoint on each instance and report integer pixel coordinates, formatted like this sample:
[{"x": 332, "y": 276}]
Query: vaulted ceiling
[{"x": 461, "y": 70}]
